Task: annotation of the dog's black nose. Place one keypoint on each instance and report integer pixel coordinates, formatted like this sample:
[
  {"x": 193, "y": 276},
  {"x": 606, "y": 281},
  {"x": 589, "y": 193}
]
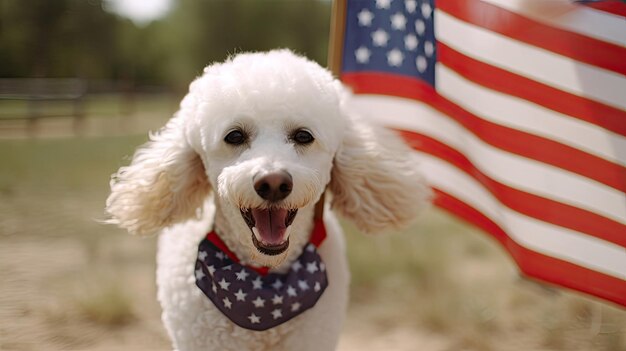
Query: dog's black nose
[{"x": 273, "y": 186}]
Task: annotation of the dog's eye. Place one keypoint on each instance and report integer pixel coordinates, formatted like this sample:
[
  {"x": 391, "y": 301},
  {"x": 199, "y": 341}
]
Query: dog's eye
[
  {"x": 302, "y": 137},
  {"x": 235, "y": 137}
]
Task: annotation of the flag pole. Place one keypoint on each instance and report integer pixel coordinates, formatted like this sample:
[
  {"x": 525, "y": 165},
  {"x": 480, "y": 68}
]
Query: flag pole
[
  {"x": 335, "y": 52},
  {"x": 337, "y": 30}
]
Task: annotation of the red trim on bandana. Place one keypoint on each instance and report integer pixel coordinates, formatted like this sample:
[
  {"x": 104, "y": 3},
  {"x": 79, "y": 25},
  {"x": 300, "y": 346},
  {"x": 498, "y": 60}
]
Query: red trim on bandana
[{"x": 319, "y": 233}]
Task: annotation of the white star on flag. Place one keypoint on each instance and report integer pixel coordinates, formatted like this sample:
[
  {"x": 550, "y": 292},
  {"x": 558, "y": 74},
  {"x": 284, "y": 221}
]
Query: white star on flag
[
  {"x": 227, "y": 303},
  {"x": 257, "y": 283},
  {"x": 380, "y": 37},
  {"x": 240, "y": 295},
  {"x": 295, "y": 306},
  {"x": 211, "y": 269},
  {"x": 296, "y": 266},
  {"x": 410, "y": 42},
  {"x": 426, "y": 10},
  {"x": 383, "y": 4},
  {"x": 254, "y": 318},
  {"x": 224, "y": 284},
  {"x": 303, "y": 285},
  {"x": 317, "y": 287},
  {"x": 277, "y": 284},
  {"x": 258, "y": 302},
  {"x": 395, "y": 58},
  {"x": 202, "y": 255},
  {"x": 311, "y": 267},
  {"x": 365, "y": 17},
  {"x": 214, "y": 288},
  {"x": 220, "y": 255},
  {"x": 277, "y": 300},
  {"x": 199, "y": 274},
  {"x": 362, "y": 54},
  {"x": 410, "y": 5},
  {"x": 242, "y": 275},
  {"x": 429, "y": 48},
  {"x": 421, "y": 63},
  {"x": 420, "y": 27},
  {"x": 291, "y": 291},
  {"x": 277, "y": 313},
  {"x": 398, "y": 21}
]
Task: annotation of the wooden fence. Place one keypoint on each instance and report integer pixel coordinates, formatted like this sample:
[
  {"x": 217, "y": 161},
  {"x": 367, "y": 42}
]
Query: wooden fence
[
  {"x": 37, "y": 91},
  {"x": 39, "y": 98}
]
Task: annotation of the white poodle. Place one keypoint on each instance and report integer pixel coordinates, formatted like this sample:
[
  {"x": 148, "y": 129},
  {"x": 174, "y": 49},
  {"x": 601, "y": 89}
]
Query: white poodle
[{"x": 236, "y": 182}]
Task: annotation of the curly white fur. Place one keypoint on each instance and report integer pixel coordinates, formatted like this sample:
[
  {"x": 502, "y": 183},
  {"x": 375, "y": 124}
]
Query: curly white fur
[
  {"x": 375, "y": 181},
  {"x": 370, "y": 173},
  {"x": 164, "y": 184}
]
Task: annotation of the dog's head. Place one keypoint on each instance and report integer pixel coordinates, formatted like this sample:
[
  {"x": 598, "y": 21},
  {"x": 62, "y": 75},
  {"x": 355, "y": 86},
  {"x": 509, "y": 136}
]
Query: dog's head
[{"x": 268, "y": 133}]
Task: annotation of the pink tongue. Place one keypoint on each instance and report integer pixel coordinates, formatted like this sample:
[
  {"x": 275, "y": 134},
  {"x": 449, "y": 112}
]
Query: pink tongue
[{"x": 271, "y": 225}]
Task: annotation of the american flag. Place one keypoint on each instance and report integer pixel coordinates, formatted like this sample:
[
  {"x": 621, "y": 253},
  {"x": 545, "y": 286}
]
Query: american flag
[{"x": 517, "y": 110}]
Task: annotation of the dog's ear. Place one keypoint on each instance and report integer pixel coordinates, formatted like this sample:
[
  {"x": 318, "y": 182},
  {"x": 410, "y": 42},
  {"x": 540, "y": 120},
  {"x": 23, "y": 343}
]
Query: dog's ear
[
  {"x": 164, "y": 184},
  {"x": 375, "y": 179}
]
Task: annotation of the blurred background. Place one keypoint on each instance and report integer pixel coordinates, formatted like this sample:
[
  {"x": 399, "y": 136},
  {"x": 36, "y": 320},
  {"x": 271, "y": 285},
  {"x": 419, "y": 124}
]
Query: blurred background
[{"x": 81, "y": 84}]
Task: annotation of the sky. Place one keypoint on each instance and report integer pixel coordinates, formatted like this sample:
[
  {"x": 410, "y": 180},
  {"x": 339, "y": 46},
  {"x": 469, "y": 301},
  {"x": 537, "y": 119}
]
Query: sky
[{"x": 141, "y": 12}]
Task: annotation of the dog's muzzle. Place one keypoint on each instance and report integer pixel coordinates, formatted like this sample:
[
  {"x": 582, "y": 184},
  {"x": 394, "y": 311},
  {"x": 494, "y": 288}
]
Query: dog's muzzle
[{"x": 269, "y": 225}]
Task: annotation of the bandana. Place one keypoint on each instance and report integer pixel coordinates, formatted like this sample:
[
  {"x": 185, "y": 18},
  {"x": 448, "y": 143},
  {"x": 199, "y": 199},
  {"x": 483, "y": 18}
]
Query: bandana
[{"x": 253, "y": 298}]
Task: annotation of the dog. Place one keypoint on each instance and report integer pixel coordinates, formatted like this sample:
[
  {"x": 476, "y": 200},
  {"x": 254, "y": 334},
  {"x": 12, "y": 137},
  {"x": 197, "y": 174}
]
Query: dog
[{"x": 250, "y": 255}]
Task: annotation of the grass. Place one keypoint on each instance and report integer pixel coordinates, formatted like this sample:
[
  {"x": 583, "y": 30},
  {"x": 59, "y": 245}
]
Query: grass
[
  {"x": 106, "y": 303},
  {"x": 63, "y": 165},
  {"x": 440, "y": 276}
]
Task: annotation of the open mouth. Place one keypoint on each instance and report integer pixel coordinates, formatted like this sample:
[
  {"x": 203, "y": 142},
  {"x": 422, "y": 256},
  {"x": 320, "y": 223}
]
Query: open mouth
[{"x": 268, "y": 227}]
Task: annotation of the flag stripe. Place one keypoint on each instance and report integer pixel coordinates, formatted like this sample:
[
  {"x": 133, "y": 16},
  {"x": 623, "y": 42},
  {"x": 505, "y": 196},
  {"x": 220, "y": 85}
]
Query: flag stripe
[
  {"x": 542, "y": 237},
  {"x": 614, "y": 7},
  {"x": 512, "y": 25},
  {"x": 571, "y": 17},
  {"x": 563, "y": 213},
  {"x": 528, "y": 204},
  {"x": 508, "y": 168},
  {"x": 558, "y": 71},
  {"x": 537, "y": 265},
  {"x": 515, "y": 85},
  {"x": 518, "y": 114},
  {"x": 501, "y": 137}
]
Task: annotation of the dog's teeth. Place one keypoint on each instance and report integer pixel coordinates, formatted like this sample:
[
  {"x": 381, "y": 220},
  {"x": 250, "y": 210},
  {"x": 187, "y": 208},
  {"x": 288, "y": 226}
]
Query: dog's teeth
[{"x": 256, "y": 233}]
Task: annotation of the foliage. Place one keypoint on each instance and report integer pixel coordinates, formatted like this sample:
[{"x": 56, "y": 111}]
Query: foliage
[
  {"x": 61, "y": 38},
  {"x": 77, "y": 38}
]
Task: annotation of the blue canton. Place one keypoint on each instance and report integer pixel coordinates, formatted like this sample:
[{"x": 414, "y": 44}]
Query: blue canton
[
  {"x": 391, "y": 36},
  {"x": 254, "y": 301}
]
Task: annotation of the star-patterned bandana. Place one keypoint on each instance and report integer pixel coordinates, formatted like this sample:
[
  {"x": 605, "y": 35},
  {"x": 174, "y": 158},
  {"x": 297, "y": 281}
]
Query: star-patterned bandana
[{"x": 252, "y": 298}]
